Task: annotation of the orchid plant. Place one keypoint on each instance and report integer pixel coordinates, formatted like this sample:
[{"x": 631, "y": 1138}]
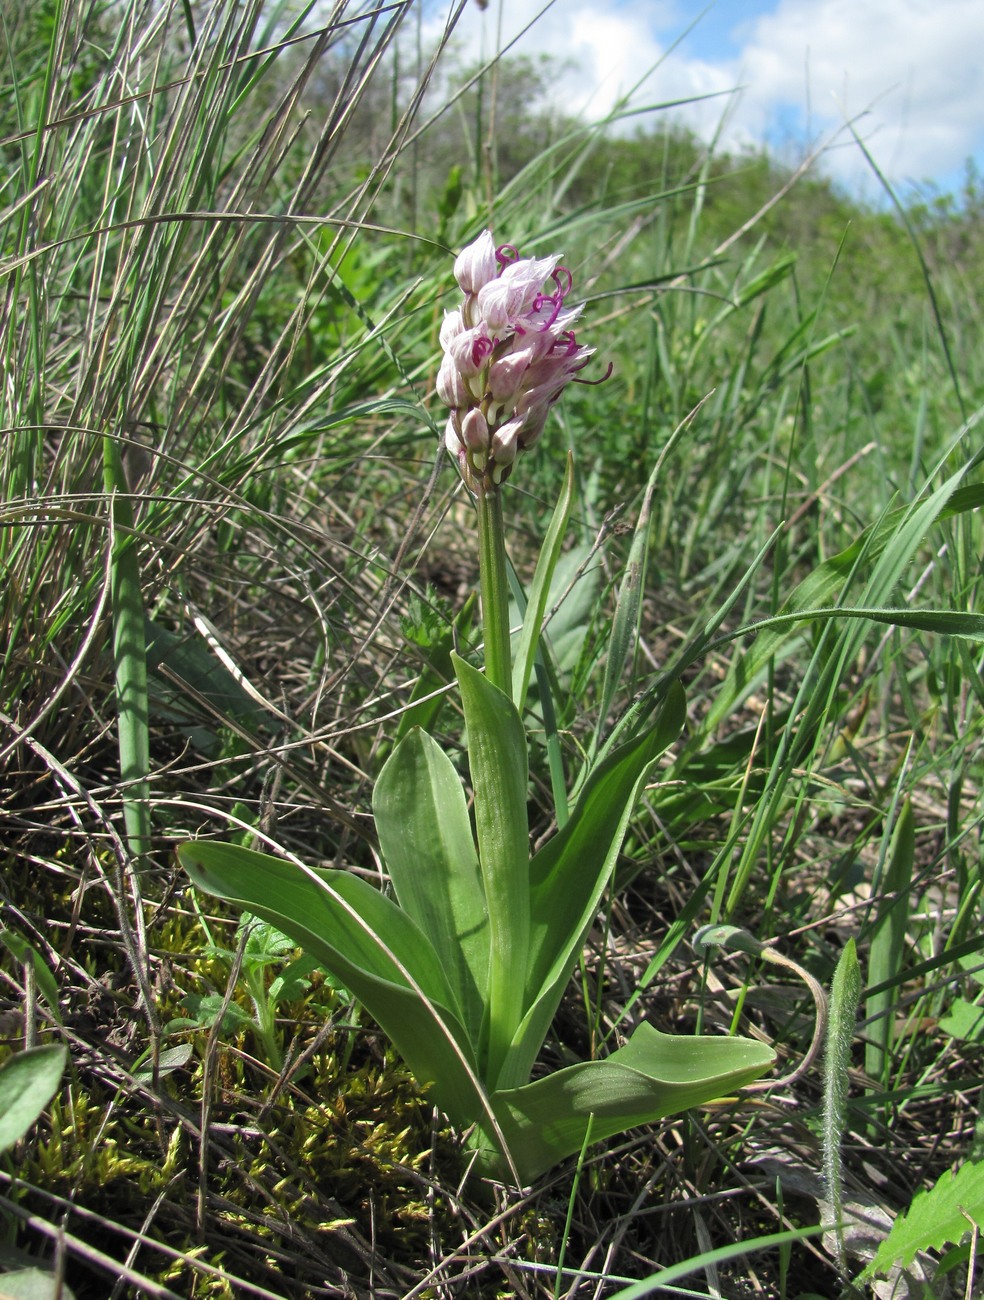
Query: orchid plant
[{"x": 464, "y": 959}]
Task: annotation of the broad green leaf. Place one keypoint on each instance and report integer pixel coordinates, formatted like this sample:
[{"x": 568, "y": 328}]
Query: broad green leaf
[
  {"x": 935, "y": 1218},
  {"x": 569, "y": 874},
  {"x": 652, "y": 1076},
  {"x": 497, "y": 759},
  {"x": 709, "y": 937},
  {"x": 964, "y": 1020},
  {"x": 576, "y": 586},
  {"x": 366, "y": 941},
  {"x": 33, "y": 1284},
  {"x": 169, "y": 1060},
  {"x": 174, "y": 662},
  {"x": 28, "y": 1081},
  {"x": 540, "y": 588},
  {"x": 426, "y": 840},
  {"x": 203, "y": 1009}
]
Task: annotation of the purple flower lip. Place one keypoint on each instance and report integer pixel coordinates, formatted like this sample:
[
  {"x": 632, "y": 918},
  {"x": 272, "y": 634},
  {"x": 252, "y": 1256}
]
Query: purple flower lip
[{"x": 509, "y": 353}]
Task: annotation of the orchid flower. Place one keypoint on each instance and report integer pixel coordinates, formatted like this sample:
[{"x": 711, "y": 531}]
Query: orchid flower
[{"x": 509, "y": 353}]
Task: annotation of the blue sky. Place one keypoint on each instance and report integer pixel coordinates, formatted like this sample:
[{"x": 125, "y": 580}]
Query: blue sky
[{"x": 909, "y": 73}]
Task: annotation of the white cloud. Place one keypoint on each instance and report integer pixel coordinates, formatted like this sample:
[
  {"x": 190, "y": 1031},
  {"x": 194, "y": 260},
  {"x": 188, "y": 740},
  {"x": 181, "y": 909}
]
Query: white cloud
[{"x": 911, "y": 68}]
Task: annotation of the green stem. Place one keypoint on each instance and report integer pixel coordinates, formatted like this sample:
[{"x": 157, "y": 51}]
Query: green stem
[
  {"x": 265, "y": 1022},
  {"x": 494, "y": 586}
]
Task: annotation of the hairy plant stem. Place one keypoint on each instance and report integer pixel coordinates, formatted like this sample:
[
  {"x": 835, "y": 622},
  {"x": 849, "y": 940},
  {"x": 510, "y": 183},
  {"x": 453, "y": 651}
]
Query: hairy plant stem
[
  {"x": 844, "y": 994},
  {"x": 494, "y": 587}
]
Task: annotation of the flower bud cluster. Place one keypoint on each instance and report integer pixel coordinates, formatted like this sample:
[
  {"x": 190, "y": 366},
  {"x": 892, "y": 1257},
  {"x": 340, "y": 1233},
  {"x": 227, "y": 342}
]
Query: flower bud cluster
[{"x": 509, "y": 352}]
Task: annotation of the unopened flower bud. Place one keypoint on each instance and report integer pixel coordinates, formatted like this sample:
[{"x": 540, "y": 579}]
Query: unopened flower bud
[
  {"x": 505, "y": 442},
  {"x": 450, "y": 384},
  {"x": 475, "y": 430},
  {"x": 506, "y": 375},
  {"x": 451, "y": 327},
  {"x": 476, "y": 265}
]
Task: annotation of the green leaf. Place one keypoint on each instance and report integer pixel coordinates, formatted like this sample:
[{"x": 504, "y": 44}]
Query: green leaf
[
  {"x": 292, "y": 982},
  {"x": 540, "y": 588},
  {"x": 624, "y": 636},
  {"x": 23, "y": 952},
  {"x": 656, "y": 1282},
  {"x": 28, "y": 1081},
  {"x": 569, "y": 874},
  {"x": 652, "y": 1076},
  {"x": 265, "y": 944},
  {"x": 944, "y": 622},
  {"x": 33, "y": 1284},
  {"x": 498, "y": 762},
  {"x": 170, "y": 1059},
  {"x": 130, "y": 656},
  {"x": 934, "y": 1219},
  {"x": 888, "y": 940},
  {"x": 426, "y": 841},
  {"x": 964, "y": 1020},
  {"x": 367, "y": 942},
  {"x": 888, "y": 544},
  {"x": 709, "y": 937},
  {"x": 194, "y": 663},
  {"x": 203, "y": 1009},
  {"x": 766, "y": 280}
]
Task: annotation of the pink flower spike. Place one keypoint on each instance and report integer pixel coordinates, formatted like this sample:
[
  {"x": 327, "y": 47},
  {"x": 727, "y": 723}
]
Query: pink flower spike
[
  {"x": 505, "y": 301},
  {"x": 509, "y": 352},
  {"x": 544, "y": 312},
  {"x": 476, "y": 265}
]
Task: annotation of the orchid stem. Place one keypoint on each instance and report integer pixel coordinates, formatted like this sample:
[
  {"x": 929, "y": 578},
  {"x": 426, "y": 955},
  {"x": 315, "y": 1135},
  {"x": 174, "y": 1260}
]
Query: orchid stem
[{"x": 494, "y": 587}]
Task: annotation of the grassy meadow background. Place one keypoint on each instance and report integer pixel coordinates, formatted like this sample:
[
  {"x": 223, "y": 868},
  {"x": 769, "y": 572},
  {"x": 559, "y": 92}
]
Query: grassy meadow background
[{"x": 234, "y": 562}]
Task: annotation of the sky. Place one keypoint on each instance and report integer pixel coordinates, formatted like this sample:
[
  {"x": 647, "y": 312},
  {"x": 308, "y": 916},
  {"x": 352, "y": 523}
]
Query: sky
[{"x": 786, "y": 73}]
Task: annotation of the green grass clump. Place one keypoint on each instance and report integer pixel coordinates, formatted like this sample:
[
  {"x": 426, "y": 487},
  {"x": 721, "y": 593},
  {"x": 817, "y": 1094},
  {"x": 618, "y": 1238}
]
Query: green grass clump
[{"x": 231, "y": 554}]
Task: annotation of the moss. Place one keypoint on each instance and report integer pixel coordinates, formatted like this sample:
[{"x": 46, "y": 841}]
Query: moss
[{"x": 89, "y": 1148}]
